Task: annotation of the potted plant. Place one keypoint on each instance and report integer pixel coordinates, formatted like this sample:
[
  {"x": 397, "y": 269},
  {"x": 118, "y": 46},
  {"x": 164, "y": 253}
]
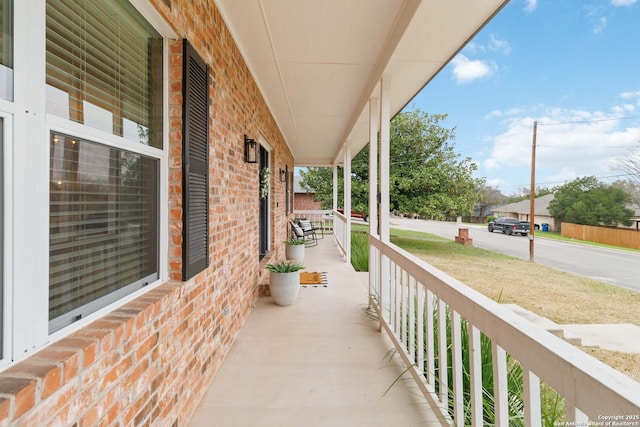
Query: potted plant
[
  {"x": 294, "y": 249},
  {"x": 284, "y": 281}
]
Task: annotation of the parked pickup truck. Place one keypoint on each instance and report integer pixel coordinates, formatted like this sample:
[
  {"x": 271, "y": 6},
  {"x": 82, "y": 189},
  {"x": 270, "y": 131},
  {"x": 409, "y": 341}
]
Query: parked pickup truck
[{"x": 510, "y": 226}]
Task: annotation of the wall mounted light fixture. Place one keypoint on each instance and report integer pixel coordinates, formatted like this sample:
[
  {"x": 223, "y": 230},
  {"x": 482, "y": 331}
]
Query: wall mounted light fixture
[
  {"x": 250, "y": 150},
  {"x": 283, "y": 175}
]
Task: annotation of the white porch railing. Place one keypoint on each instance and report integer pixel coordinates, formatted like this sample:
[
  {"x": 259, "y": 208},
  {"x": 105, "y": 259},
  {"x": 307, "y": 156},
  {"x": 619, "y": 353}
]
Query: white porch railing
[
  {"x": 437, "y": 326},
  {"x": 340, "y": 230},
  {"x": 320, "y": 218}
]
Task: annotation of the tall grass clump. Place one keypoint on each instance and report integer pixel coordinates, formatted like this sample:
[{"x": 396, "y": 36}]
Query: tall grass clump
[
  {"x": 360, "y": 251},
  {"x": 552, "y": 408}
]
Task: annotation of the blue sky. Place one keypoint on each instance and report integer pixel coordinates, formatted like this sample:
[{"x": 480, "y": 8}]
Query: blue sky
[{"x": 572, "y": 65}]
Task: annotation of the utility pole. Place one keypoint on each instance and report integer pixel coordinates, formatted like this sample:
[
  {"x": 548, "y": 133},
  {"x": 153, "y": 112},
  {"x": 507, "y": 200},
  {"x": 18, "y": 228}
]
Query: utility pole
[{"x": 532, "y": 210}]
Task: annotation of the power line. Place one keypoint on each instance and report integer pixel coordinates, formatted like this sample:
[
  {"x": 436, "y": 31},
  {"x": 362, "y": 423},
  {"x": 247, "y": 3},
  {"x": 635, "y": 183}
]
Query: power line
[{"x": 538, "y": 184}]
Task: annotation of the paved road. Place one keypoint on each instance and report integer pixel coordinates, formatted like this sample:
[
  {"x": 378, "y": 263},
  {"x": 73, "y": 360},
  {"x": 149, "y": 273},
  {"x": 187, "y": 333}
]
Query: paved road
[{"x": 617, "y": 267}]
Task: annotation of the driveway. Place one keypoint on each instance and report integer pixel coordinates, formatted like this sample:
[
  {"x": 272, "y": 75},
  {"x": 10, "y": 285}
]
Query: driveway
[{"x": 612, "y": 266}]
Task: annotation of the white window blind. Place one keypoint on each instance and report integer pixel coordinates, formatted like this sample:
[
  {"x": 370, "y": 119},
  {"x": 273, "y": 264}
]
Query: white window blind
[{"x": 105, "y": 62}]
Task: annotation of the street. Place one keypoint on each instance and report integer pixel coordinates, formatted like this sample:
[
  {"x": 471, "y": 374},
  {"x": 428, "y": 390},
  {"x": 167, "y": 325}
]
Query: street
[{"x": 612, "y": 266}]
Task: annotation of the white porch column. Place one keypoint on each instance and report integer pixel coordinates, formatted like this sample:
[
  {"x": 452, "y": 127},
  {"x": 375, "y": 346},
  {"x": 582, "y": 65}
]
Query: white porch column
[
  {"x": 385, "y": 119},
  {"x": 335, "y": 187},
  {"x": 347, "y": 201},
  {"x": 374, "y": 262},
  {"x": 384, "y": 285},
  {"x": 373, "y": 166}
]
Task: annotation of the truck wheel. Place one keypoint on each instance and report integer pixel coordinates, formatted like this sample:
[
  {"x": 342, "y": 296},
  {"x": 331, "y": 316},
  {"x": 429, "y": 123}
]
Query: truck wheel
[
  {"x": 509, "y": 232},
  {"x": 524, "y": 234}
]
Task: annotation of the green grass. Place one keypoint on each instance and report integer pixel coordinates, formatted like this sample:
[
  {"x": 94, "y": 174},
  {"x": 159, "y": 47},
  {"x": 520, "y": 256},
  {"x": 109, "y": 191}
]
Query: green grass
[
  {"x": 360, "y": 251},
  {"x": 443, "y": 247}
]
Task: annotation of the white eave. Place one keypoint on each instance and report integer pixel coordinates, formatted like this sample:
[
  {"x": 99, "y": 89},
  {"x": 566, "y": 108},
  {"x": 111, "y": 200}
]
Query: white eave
[{"x": 317, "y": 62}]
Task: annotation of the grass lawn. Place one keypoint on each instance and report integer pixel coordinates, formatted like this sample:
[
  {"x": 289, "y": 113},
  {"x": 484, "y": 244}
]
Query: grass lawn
[{"x": 559, "y": 296}]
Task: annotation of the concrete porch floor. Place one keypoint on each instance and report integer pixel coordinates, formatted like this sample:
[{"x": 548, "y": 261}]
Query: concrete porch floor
[{"x": 318, "y": 362}]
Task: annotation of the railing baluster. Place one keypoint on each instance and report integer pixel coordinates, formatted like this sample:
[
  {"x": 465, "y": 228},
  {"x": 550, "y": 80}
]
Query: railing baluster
[
  {"x": 431, "y": 350},
  {"x": 475, "y": 372},
  {"x": 392, "y": 298},
  {"x": 398, "y": 300},
  {"x": 420, "y": 326},
  {"x": 500, "y": 390},
  {"x": 385, "y": 270},
  {"x": 456, "y": 349},
  {"x": 575, "y": 415},
  {"x": 442, "y": 353},
  {"x": 403, "y": 306},
  {"x": 532, "y": 409},
  {"x": 373, "y": 275},
  {"x": 412, "y": 317}
]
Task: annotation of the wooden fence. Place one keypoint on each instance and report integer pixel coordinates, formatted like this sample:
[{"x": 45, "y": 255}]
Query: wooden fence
[{"x": 609, "y": 236}]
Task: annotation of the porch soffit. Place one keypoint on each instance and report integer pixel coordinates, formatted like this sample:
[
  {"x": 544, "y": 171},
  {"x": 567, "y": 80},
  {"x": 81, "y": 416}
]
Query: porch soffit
[{"x": 317, "y": 62}]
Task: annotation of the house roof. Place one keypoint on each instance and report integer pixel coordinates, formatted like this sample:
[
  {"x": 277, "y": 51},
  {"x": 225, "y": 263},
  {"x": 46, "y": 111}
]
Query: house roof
[
  {"x": 297, "y": 188},
  {"x": 524, "y": 206},
  {"x": 317, "y": 63}
]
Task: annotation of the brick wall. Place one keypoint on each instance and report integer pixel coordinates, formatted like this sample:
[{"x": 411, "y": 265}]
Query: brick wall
[
  {"x": 305, "y": 202},
  {"x": 150, "y": 361}
]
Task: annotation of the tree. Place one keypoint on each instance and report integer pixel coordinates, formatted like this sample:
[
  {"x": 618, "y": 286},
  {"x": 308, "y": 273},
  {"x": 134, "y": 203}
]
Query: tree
[
  {"x": 320, "y": 181},
  {"x": 426, "y": 176},
  {"x": 630, "y": 163},
  {"x": 630, "y": 186},
  {"x": 525, "y": 194},
  {"x": 589, "y": 202},
  {"x": 489, "y": 196}
]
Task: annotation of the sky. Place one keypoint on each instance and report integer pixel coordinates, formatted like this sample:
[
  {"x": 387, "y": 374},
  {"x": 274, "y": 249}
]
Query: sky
[{"x": 571, "y": 65}]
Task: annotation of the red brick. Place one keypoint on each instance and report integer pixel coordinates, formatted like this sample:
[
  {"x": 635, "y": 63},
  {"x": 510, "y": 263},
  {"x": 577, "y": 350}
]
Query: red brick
[
  {"x": 5, "y": 408},
  {"x": 23, "y": 391}
]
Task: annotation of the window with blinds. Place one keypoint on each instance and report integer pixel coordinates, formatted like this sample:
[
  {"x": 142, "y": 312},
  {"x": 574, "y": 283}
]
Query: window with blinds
[
  {"x": 103, "y": 226},
  {"x": 104, "y": 68}
]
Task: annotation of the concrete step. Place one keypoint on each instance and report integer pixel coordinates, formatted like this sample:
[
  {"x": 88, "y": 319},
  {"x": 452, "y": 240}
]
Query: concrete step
[{"x": 561, "y": 331}]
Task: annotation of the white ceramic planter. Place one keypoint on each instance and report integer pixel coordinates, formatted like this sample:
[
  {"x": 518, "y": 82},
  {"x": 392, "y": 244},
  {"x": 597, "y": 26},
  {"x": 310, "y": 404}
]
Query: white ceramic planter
[
  {"x": 294, "y": 253},
  {"x": 284, "y": 287}
]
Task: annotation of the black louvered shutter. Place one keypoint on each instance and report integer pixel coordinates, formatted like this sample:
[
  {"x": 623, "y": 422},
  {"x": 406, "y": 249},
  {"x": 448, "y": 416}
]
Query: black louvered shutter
[{"x": 195, "y": 176}]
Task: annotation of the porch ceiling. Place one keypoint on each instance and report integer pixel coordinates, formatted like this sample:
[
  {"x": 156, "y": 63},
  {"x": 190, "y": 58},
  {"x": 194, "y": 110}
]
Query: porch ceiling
[{"x": 317, "y": 62}]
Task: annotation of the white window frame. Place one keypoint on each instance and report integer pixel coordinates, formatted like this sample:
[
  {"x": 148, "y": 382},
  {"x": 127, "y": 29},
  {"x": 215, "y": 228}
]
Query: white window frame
[
  {"x": 7, "y": 235},
  {"x": 28, "y": 216}
]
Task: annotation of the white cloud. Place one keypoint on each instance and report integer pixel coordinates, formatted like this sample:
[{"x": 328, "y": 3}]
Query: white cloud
[
  {"x": 466, "y": 70},
  {"x": 600, "y": 25},
  {"x": 624, "y": 109},
  {"x": 506, "y": 113},
  {"x": 530, "y": 5},
  {"x": 623, "y": 2},
  {"x": 630, "y": 94},
  {"x": 570, "y": 144},
  {"x": 499, "y": 45},
  {"x": 475, "y": 48}
]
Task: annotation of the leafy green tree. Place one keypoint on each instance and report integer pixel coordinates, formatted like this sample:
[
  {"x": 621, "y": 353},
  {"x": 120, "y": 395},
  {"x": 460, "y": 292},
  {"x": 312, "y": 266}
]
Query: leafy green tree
[
  {"x": 320, "y": 181},
  {"x": 589, "y": 202},
  {"x": 426, "y": 176}
]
